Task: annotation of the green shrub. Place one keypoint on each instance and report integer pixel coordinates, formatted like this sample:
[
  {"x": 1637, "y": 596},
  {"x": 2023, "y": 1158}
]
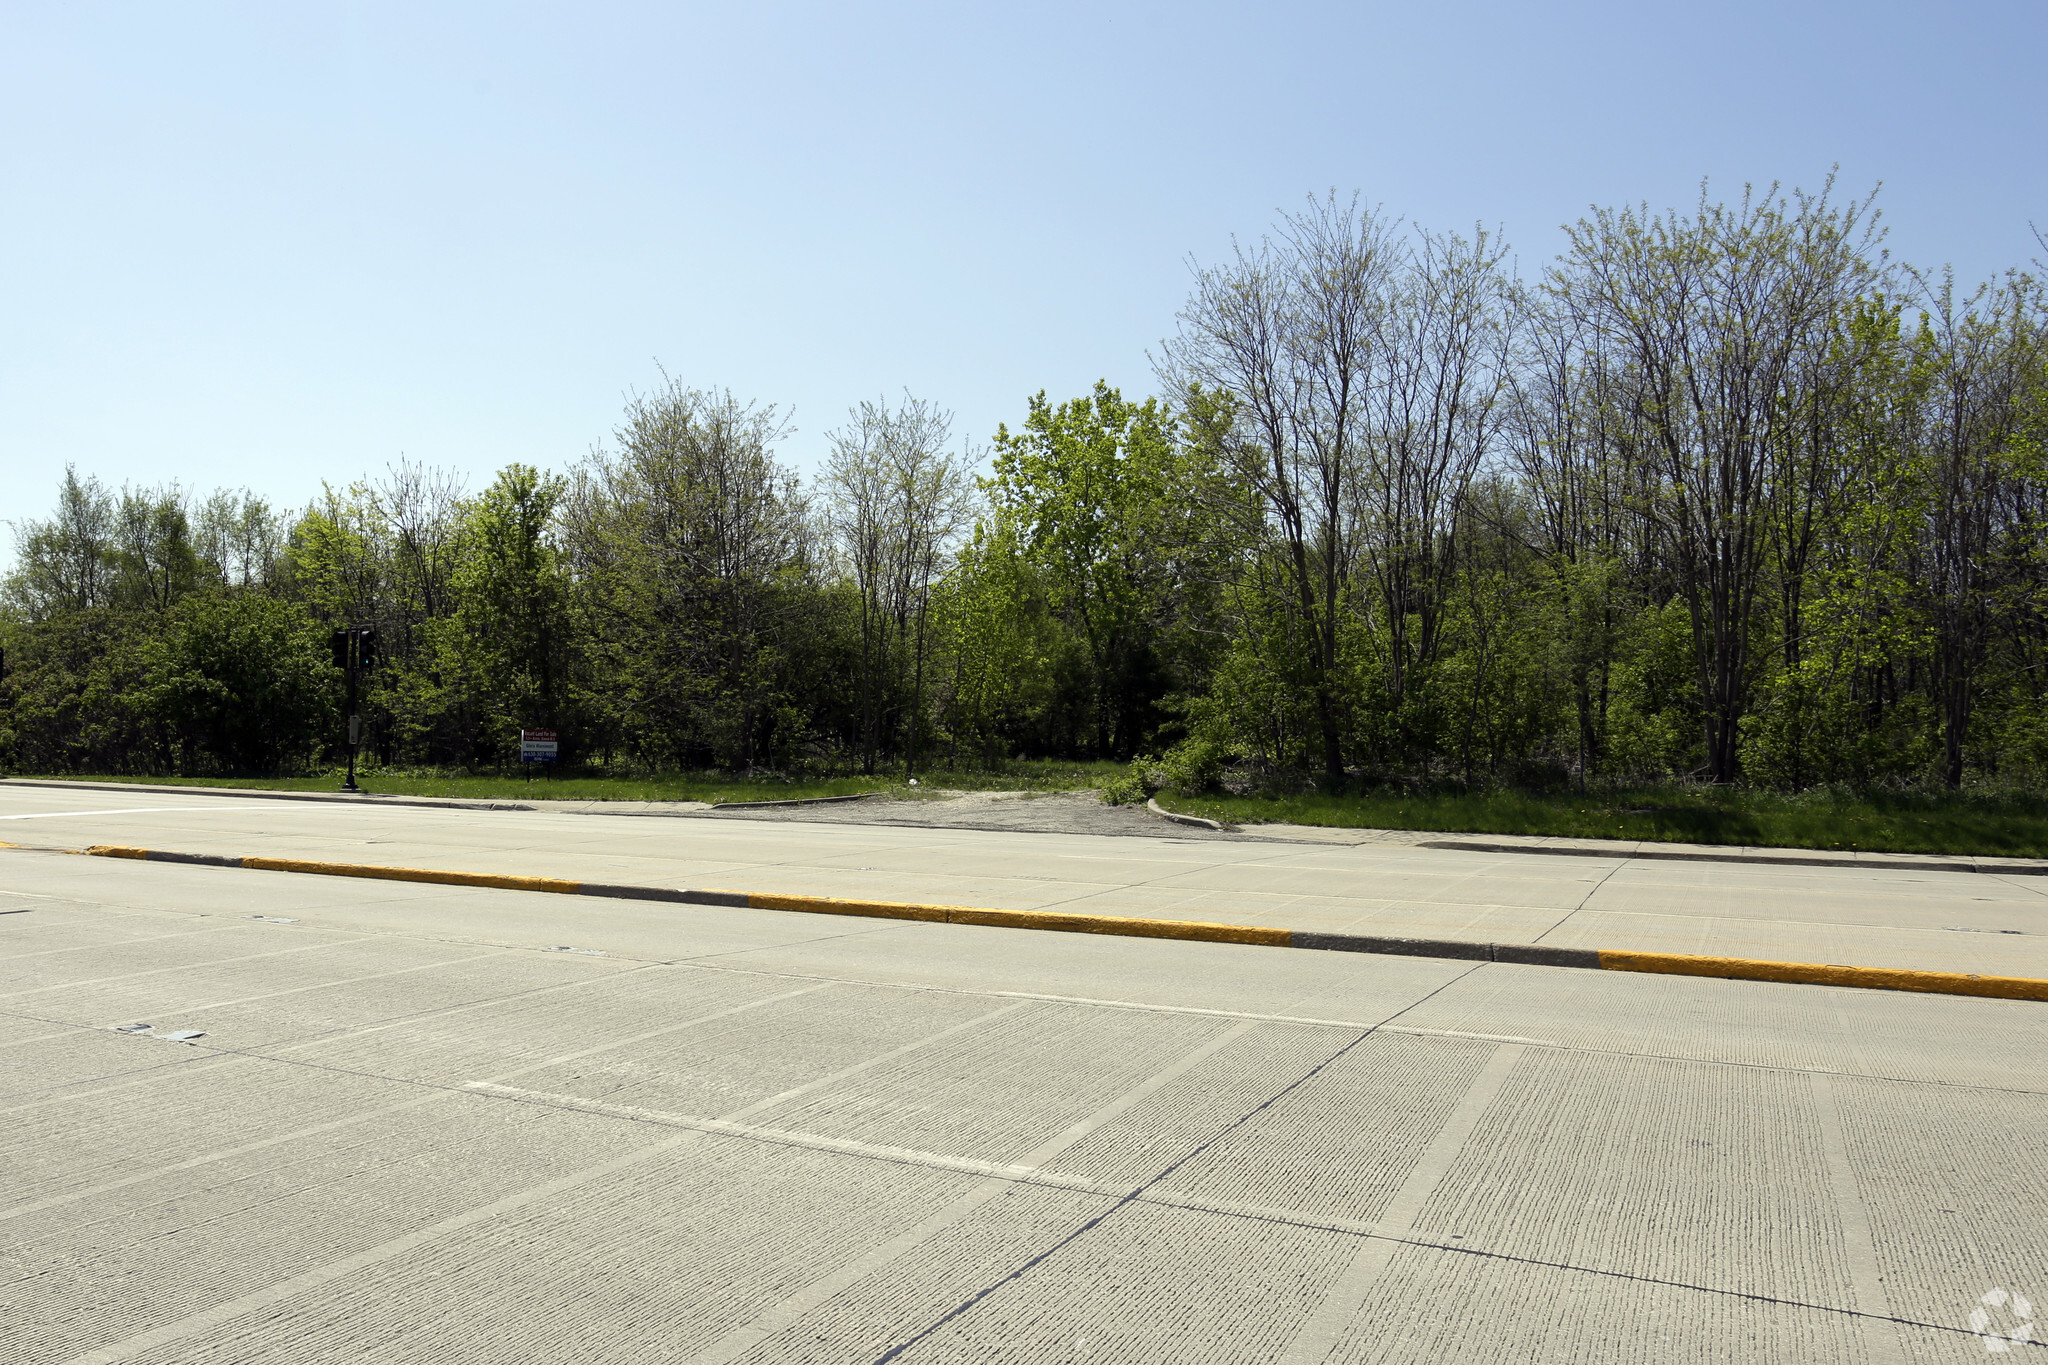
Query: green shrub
[
  {"x": 1190, "y": 767},
  {"x": 1129, "y": 787}
]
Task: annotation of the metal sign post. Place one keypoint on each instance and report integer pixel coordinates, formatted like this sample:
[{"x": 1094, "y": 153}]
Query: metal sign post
[
  {"x": 355, "y": 724},
  {"x": 355, "y": 649}
]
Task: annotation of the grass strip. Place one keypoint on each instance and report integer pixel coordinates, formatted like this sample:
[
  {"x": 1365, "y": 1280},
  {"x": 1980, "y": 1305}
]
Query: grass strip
[
  {"x": 1966, "y": 824},
  {"x": 596, "y": 784}
]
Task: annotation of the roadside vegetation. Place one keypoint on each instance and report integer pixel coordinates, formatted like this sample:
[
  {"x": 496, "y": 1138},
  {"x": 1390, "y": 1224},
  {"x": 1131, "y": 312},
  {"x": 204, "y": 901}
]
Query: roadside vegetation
[
  {"x": 2011, "y": 826},
  {"x": 1721, "y": 513},
  {"x": 535, "y": 783}
]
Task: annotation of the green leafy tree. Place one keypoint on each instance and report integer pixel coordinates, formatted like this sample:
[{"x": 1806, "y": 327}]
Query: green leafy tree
[
  {"x": 1101, "y": 496},
  {"x": 244, "y": 683},
  {"x": 691, "y": 547},
  {"x": 999, "y": 640},
  {"x": 505, "y": 653}
]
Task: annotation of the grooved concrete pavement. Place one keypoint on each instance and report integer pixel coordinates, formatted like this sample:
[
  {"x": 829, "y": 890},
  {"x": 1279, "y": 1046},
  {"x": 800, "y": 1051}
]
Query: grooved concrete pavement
[{"x": 417, "y": 1129}]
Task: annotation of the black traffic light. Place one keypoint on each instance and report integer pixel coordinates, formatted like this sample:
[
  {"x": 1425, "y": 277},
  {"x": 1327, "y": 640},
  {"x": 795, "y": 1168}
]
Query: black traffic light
[{"x": 363, "y": 639}]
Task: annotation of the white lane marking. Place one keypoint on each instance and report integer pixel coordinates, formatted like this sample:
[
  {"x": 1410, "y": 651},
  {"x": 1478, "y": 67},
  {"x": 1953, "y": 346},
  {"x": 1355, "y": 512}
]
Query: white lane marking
[
  {"x": 189, "y": 966},
  {"x": 1009, "y": 1171},
  {"x": 363, "y": 1260},
  {"x": 1852, "y": 1219},
  {"x": 361, "y": 1116},
  {"x": 1270, "y": 1018},
  {"x": 131, "y": 810},
  {"x": 996, "y": 1181},
  {"x": 1154, "y": 1007},
  {"x": 1317, "y": 1339},
  {"x": 774, "y": 1319}
]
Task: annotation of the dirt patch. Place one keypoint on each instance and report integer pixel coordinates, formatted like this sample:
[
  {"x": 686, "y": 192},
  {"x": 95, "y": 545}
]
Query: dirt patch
[
  {"x": 1028, "y": 812},
  {"x": 1020, "y": 812}
]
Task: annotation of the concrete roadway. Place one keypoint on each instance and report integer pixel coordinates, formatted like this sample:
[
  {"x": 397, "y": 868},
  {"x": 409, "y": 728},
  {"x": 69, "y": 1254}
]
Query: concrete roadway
[
  {"x": 1864, "y": 916},
  {"x": 444, "y": 1124}
]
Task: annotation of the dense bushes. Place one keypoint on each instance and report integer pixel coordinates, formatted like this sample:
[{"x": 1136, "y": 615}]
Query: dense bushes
[{"x": 213, "y": 683}]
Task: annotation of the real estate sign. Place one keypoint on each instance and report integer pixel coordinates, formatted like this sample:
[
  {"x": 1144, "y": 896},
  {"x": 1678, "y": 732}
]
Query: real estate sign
[{"x": 538, "y": 746}]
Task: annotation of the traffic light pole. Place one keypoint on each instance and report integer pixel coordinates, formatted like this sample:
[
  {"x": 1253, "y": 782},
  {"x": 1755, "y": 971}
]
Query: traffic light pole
[{"x": 355, "y": 726}]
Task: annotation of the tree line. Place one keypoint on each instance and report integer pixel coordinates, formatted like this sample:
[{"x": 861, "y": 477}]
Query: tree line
[{"x": 1720, "y": 494}]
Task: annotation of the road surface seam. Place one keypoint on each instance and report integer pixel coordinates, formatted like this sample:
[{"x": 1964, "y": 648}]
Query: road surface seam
[
  {"x": 1584, "y": 900},
  {"x": 827, "y": 1287},
  {"x": 1331, "y": 1318},
  {"x": 121, "y": 943},
  {"x": 701, "y": 962},
  {"x": 222, "y": 1057},
  {"x": 1153, "y": 1182},
  {"x": 1382, "y": 1230}
]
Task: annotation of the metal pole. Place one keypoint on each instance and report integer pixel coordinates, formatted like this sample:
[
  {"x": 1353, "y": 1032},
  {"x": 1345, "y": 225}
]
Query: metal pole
[{"x": 354, "y": 721}]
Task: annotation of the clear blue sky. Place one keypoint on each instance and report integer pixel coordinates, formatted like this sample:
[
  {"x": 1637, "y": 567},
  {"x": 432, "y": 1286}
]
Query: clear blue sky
[{"x": 269, "y": 244}]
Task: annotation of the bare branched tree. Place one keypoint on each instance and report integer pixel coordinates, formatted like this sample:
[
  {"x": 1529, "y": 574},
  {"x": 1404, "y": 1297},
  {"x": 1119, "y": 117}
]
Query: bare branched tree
[
  {"x": 899, "y": 503},
  {"x": 1719, "y": 319},
  {"x": 1446, "y": 357},
  {"x": 1294, "y": 329},
  {"x": 239, "y": 537},
  {"x": 66, "y": 563},
  {"x": 1571, "y": 441},
  {"x": 418, "y": 505},
  {"x": 1981, "y": 354}
]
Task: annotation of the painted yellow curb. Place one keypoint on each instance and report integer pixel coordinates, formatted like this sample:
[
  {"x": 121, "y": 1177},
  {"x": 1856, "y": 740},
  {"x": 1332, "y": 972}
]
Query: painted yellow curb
[
  {"x": 826, "y": 905},
  {"x": 415, "y": 874},
  {"x": 1827, "y": 974},
  {"x": 1122, "y": 927},
  {"x": 1054, "y": 920},
  {"x": 493, "y": 881},
  {"x": 1670, "y": 964}
]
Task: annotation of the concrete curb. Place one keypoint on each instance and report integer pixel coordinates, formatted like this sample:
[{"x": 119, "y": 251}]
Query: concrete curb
[
  {"x": 797, "y": 801},
  {"x": 1199, "y": 822},
  {"x": 1523, "y": 954},
  {"x": 344, "y": 798},
  {"x": 1758, "y": 859}
]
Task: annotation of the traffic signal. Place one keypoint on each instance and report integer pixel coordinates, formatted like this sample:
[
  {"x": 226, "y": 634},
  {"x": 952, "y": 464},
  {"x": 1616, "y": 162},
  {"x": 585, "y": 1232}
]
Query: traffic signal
[{"x": 363, "y": 640}]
